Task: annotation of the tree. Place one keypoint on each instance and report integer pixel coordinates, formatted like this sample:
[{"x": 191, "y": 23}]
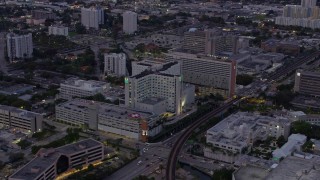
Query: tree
[
  {"x": 281, "y": 141},
  {"x": 14, "y": 157},
  {"x": 80, "y": 29},
  {"x": 90, "y": 167},
  {"x": 244, "y": 79},
  {"x": 222, "y": 174}
]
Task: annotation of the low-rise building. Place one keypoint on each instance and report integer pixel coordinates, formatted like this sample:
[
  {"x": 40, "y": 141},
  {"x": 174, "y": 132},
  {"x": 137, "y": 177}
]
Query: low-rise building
[
  {"x": 110, "y": 118},
  {"x": 295, "y": 141},
  {"x": 58, "y": 30},
  {"x": 50, "y": 163},
  {"x": 74, "y": 87},
  {"x": 236, "y": 133},
  {"x": 12, "y": 117},
  {"x": 277, "y": 46}
]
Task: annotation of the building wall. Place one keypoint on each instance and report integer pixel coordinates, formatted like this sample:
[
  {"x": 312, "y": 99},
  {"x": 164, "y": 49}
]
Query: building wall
[
  {"x": 24, "y": 120},
  {"x": 115, "y": 64},
  {"x": 58, "y": 30},
  {"x": 307, "y": 83},
  {"x": 130, "y": 22},
  {"x": 207, "y": 72},
  {"x": 92, "y": 17},
  {"x": 154, "y": 85},
  {"x": 19, "y": 46}
]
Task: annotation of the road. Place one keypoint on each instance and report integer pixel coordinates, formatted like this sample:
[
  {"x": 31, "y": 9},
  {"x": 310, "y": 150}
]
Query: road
[
  {"x": 178, "y": 145},
  {"x": 3, "y": 62}
]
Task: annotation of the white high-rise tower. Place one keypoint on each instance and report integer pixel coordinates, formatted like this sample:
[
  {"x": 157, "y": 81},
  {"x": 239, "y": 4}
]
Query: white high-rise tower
[
  {"x": 92, "y": 17},
  {"x": 130, "y": 22}
]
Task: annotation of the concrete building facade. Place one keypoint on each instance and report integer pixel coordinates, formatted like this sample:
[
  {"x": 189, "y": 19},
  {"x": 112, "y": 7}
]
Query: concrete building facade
[
  {"x": 92, "y": 17},
  {"x": 130, "y": 22},
  {"x": 74, "y": 87},
  {"x": 58, "y": 30},
  {"x": 12, "y": 117},
  {"x": 307, "y": 83},
  {"x": 49, "y": 163},
  {"x": 115, "y": 64},
  {"x": 19, "y": 46},
  {"x": 211, "y": 75}
]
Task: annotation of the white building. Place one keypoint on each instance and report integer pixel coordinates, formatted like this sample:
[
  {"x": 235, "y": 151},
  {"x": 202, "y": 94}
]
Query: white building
[
  {"x": 158, "y": 90},
  {"x": 58, "y": 30},
  {"x": 19, "y": 46},
  {"x": 12, "y": 117},
  {"x": 295, "y": 141},
  {"x": 74, "y": 87},
  {"x": 92, "y": 17},
  {"x": 115, "y": 64},
  {"x": 239, "y": 131},
  {"x": 110, "y": 118},
  {"x": 130, "y": 22}
]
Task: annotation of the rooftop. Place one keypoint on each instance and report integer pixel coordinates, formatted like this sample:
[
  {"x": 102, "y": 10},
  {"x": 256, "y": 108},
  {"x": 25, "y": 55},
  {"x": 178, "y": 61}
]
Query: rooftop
[
  {"x": 21, "y": 112},
  {"x": 292, "y": 168},
  {"x": 47, "y": 157},
  {"x": 79, "y": 83},
  {"x": 105, "y": 109}
]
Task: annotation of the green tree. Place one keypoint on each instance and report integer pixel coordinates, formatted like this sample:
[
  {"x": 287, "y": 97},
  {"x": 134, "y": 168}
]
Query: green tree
[{"x": 222, "y": 174}]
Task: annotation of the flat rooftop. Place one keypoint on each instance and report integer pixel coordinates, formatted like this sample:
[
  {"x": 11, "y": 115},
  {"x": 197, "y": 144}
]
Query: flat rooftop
[
  {"x": 293, "y": 168},
  {"x": 21, "y": 112},
  {"x": 104, "y": 109},
  {"x": 47, "y": 157},
  {"x": 251, "y": 173},
  {"x": 76, "y": 82}
]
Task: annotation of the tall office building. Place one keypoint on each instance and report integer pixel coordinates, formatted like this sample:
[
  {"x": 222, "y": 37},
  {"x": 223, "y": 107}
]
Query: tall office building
[
  {"x": 115, "y": 64},
  {"x": 92, "y": 17},
  {"x": 209, "y": 74},
  {"x": 307, "y": 83},
  {"x": 210, "y": 42},
  {"x": 130, "y": 22},
  {"x": 58, "y": 30},
  {"x": 19, "y": 46},
  {"x": 158, "y": 90}
]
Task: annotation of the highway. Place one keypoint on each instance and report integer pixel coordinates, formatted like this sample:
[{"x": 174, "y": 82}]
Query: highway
[{"x": 173, "y": 157}]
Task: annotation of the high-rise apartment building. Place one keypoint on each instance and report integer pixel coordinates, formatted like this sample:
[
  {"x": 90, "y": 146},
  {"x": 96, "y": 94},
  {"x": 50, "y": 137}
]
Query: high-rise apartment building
[
  {"x": 307, "y": 83},
  {"x": 74, "y": 87},
  {"x": 50, "y": 163},
  {"x": 308, "y": 3},
  {"x": 115, "y": 64},
  {"x": 58, "y": 30},
  {"x": 92, "y": 17},
  {"x": 12, "y": 117},
  {"x": 211, "y": 75},
  {"x": 210, "y": 42},
  {"x": 306, "y": 15},
  {"x": 130, "y": 22},
  {"x": 158, "y": 90},
  {"x": 19, "y": 46}
]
